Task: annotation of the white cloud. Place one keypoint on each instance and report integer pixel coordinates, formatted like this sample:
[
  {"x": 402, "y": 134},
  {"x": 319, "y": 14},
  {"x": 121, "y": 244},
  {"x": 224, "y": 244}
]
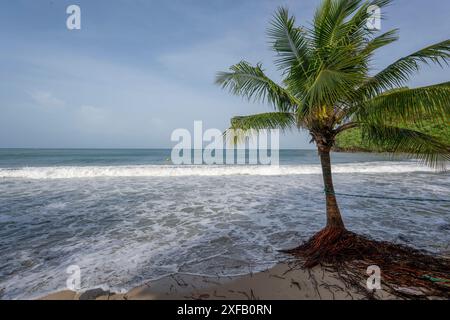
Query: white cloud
[{"x": 47, "y": 99}]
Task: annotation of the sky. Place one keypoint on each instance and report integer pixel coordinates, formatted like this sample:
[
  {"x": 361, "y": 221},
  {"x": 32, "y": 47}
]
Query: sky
[{"x": 137, "y": 70}]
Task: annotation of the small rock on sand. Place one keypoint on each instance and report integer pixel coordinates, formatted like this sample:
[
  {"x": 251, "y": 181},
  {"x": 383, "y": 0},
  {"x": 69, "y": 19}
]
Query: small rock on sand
[{"x": 93, "y": 294}]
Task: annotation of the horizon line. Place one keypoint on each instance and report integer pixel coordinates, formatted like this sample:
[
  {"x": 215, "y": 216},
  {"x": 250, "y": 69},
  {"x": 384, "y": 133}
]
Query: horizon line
[{"x": 121, "y": 148}]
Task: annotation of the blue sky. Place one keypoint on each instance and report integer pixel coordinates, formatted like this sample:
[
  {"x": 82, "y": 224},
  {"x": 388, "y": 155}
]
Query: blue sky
[{"x": 139, "y": 69}]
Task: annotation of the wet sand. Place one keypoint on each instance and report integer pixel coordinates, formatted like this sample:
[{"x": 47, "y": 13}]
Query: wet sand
[{"x": 282, "y": 282}]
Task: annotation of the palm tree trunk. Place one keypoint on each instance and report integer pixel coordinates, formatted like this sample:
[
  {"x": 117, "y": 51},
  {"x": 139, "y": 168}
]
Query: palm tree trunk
[{"x": 334, "y": 219}]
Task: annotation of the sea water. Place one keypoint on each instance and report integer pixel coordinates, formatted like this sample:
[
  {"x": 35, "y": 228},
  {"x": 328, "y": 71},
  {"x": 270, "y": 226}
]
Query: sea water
[{"x": 128, "y": 216}]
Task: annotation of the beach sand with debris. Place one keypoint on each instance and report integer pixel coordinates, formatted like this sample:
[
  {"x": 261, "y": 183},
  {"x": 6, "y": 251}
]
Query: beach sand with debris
[{"x": 282, "y": 282}]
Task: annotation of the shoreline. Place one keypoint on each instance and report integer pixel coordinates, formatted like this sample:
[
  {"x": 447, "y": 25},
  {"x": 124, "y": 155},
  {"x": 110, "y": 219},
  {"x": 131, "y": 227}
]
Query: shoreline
[{"x": 281, "y": 282}]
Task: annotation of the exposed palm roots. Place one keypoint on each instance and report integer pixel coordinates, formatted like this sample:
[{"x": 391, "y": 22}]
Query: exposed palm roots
[{"x": 405, "y": 272}]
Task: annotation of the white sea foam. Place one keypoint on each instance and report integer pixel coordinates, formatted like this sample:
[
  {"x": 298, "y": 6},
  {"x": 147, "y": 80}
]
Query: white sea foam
[
  {"x": 122, "y": 232},
  {"x": 204, "y": 170}
]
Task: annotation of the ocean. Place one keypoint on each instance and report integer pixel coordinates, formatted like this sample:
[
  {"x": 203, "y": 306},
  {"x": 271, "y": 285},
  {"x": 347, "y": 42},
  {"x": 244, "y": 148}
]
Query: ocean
[{"x": 127, "y": 216}]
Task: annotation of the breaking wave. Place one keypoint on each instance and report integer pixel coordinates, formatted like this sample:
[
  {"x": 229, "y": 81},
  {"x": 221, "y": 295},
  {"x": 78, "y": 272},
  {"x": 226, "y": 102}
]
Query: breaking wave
[{"x": 71, "y": 172}]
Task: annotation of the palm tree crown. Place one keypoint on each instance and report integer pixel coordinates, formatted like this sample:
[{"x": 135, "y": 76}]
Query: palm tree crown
[{"x": 328, "y": 88}]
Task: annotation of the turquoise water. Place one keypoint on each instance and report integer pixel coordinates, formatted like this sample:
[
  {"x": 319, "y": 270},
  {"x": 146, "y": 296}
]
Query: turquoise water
[{"x": 126, "y": 216}]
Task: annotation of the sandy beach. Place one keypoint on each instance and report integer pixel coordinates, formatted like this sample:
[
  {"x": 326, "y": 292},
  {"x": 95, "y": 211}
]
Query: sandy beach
[{"x": 282, "y": 282}]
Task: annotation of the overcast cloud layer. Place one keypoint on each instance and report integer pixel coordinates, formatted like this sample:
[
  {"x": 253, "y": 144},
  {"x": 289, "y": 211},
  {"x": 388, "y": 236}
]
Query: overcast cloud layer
[{"x": 139, "y": 69}]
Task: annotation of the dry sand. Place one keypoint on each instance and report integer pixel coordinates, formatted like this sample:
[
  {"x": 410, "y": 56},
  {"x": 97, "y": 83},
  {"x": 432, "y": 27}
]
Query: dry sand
[{"x": 281, "y": 282}]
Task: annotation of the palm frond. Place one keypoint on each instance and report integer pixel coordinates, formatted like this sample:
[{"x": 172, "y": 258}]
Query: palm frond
[
  {"x": 409, "y": 105},
  {"x": 381, "y": 41},
  {"x": 332, "y": 85},
  {"x": 399, "y": 72},
  {"x": 339, "y": 38},
  {"x": 288, "y": 41},
  {"x": 429, "y": 149},
  {"x": 329, "y": 20},
  {"x": 269, "y": 120},
  {"x": 251, "y": 82},
  {"x": 246, "y": 126},
  {"x": 339, "y": 22}
]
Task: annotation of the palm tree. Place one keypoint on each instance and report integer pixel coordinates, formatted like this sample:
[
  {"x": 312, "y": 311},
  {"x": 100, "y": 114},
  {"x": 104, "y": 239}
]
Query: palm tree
[{"x": 328, "y": 88}]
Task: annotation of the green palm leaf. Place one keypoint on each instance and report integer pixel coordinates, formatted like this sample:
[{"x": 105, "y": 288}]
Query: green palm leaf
[
  {"x": 288, "y": 41},
  {"x": 381, "y": 41},
  {"x": 431, "y": 150},
  {"x": 410, "y": 105},
  {"x": 399, "y": 72},
  {"x": 270, "y": 120},
  {"x": 251, "y": 82},
  {"x": 243, "y": 126}
]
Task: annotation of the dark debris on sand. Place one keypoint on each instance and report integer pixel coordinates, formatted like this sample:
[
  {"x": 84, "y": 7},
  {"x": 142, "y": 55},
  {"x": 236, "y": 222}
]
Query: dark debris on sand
[{"x": 405, "y": 272}]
